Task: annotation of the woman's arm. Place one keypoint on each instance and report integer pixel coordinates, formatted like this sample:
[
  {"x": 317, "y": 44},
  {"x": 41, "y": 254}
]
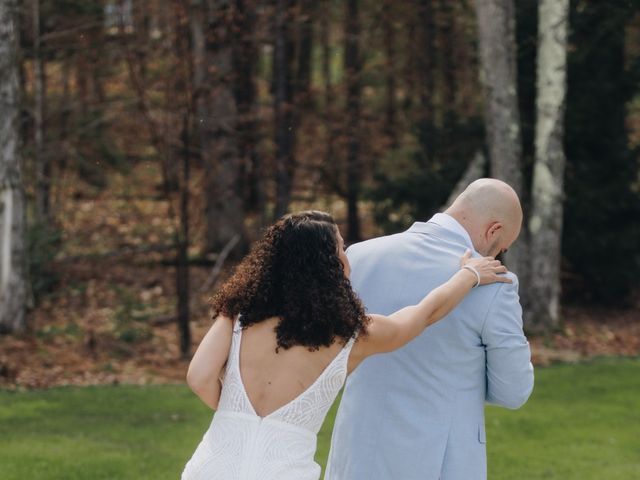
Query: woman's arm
[
  {"x": 388, "y": 333},
  {"x": 206, "y": 367}
]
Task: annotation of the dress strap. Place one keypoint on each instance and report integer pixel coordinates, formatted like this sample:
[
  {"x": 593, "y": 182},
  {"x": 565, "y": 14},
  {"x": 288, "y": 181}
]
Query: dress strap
[
  {"x": 234, "y": 351},
  {"x": 349, "y": 345},
  {"x": 343, "y": 355},
  {"x": 236, "y": 324}
]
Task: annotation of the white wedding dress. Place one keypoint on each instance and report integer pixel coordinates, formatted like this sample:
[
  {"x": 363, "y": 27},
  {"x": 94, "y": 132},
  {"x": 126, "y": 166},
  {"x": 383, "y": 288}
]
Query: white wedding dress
[{"x": 241, "y": 445}]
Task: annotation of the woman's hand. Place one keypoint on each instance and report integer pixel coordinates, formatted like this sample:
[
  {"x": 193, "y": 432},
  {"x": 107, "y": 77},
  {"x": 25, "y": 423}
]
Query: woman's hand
[{"x": 487, "y": 269}]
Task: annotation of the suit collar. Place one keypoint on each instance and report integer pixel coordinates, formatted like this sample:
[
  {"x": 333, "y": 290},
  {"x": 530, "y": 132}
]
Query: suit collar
[{"x": 443, "y": 225}]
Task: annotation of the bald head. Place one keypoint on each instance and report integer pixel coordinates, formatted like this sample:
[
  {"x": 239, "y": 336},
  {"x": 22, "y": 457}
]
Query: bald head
[{"x": 490, "y": 211}]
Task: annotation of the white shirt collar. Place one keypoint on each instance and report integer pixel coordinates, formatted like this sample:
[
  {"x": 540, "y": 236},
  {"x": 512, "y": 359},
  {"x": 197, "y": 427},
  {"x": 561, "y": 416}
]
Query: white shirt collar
[{"x": 448, "y": 222}]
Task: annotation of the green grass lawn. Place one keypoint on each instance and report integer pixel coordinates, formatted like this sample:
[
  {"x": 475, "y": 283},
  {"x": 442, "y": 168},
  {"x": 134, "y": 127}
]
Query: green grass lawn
[{"x": 582, "y": 422}]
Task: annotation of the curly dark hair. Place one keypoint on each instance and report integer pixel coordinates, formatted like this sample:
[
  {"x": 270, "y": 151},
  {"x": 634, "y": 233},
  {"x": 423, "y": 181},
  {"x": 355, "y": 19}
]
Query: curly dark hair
[{"x": 294, "y": 273}]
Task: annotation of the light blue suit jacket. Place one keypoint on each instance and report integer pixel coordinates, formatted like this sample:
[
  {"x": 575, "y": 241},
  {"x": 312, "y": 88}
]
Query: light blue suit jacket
[{"x": 418, "y": 412}]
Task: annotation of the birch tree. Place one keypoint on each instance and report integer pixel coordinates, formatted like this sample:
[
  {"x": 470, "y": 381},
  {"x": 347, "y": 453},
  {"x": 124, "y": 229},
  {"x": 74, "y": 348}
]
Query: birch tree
[
  {"x": 545, "y": 221},
  {"x": 13, "y": 283}
]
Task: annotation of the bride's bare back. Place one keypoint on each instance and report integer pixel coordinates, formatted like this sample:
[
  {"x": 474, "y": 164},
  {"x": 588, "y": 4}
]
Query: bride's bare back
[{"x": 272, "y": 379}]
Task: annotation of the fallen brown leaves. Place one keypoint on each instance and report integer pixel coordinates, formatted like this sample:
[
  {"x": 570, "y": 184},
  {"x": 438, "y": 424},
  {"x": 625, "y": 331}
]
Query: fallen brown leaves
[
  {"x": 588, "y": 333},
  {"x": 73, "y": 340},
  {"x": 34, "y": 361},
  {"x": 97, "y": 326}
]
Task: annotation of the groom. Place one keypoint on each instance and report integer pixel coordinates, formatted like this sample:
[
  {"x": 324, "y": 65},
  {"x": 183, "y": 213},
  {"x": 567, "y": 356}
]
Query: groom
[{"x": 418, "y": 412}]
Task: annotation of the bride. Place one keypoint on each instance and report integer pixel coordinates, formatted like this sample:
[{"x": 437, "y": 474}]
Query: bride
[{"x": 288, "y": 330}]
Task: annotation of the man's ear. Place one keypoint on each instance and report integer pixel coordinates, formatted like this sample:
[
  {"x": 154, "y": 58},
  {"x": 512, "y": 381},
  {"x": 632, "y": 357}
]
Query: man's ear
[{"x": 494, "y": 229}]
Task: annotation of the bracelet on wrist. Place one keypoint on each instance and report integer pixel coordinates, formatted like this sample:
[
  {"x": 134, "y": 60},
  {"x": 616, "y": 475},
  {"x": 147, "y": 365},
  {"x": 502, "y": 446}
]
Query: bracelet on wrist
[{"x": 475, "y": 272}]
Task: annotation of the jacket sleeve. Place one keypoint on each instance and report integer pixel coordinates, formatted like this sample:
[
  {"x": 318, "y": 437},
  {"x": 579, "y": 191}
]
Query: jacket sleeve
[{"x": 509, "y": 369}]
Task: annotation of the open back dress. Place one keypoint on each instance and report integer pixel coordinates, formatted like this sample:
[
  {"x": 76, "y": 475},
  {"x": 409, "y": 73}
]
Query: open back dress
[{"x": 241, "y": 445}]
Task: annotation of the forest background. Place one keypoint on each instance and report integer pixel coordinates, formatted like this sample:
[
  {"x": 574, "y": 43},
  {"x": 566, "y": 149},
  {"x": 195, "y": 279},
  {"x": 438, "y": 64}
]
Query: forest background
[{"x": 145, "y": 144}]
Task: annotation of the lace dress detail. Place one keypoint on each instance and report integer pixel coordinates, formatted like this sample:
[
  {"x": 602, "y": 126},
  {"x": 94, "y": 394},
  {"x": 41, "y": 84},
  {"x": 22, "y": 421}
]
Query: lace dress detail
[{"x": 241, "y": 445}]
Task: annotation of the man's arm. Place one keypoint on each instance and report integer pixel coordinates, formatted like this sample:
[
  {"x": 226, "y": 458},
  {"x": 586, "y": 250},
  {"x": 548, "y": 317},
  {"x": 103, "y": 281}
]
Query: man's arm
[{"x": 509, "y": 369}]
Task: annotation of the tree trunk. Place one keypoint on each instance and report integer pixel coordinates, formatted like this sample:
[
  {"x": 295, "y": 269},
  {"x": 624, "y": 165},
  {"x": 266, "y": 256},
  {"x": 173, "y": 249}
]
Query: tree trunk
[
  {"x": 141, "y": 12},
  {"x": 161, "y": 135},
  {"x": 283, "y": 95},
  {"x": 496, "y": 34},
  {"x": 390, "y": 72},
  {"x": 13, "y": 275},
  {"x": 42, "y": 167},
  {"x": 426, "y": 63},
  {"x": 182, "y": 272},
  {"x": 183, "y": 82},
  {"x": 352, "y": 72},
  {"x": 63, "y": 111},
  {"x": 218, "y": 120},
  {"x": 330, "y": 167},
  {"x": 245, "y": 60},
  {"x": 197, "y": 30},
  {"x": 409, "y": 73},
  {"x": 303, "y": 74},
  {"x": 448, "y": 37},
  {"x": 545, "y": 221},
  {"x": 81, "y": 67}
]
